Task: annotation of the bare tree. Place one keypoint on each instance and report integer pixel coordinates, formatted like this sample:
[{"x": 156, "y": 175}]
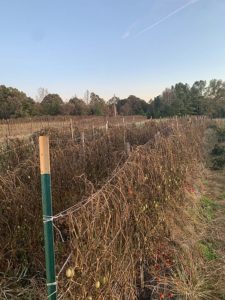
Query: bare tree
[
  {"x": 41, "y": 93},
  {"x": 87, "y": 97},
  {"x": 113, "y": 102}
]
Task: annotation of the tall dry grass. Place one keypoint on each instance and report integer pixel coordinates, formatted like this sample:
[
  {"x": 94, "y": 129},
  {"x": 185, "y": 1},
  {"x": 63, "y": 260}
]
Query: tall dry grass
[
  {"x": 129, "y": 218},
  {"x": 123, "y": 238}
]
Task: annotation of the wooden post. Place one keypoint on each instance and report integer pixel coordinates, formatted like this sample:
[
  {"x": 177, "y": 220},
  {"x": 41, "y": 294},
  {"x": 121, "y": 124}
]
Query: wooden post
[
  {"x": 128, "y": 148},
  {"x": 47, "y": 216},
  {"x": 124, "y": 132},
  {"x": 115, "y": 110},
  {"x": 106, "y": 126},
  {"x": 31, "y": 125},
  {"x": 71, "y": 128},
  {"x": 63, "y": 130},
  {"x": 82, "y": 139},
  {"x": 93, "y": 131},
  {"x": 8, "y": 125}
]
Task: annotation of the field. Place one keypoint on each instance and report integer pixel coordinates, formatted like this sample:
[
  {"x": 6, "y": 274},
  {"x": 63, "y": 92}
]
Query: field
[
  {"x": 25, "y": 127},
  {"x": 130, "y": 211}
]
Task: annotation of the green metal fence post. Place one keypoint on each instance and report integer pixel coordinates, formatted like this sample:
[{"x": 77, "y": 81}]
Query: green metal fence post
[{"x": 47, "y": 216}]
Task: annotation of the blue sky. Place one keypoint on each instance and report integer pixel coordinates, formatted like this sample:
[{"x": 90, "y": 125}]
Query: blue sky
[{"x": 110, "y": 46}]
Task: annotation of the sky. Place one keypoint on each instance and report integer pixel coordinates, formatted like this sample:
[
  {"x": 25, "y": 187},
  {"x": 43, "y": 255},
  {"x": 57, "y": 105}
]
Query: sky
[{"x": 119, "y": 47}]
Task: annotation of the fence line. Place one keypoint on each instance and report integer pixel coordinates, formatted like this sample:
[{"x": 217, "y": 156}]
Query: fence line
[
  {"x": 49, "y": 219},
  {"x": 14, "y": 128},
  {"x": 117, "y": 171},
  {"x": 83, "y": 136}
]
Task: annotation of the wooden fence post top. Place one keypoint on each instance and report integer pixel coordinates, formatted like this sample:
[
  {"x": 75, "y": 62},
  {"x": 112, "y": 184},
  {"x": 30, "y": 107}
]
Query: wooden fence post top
[{"x": 44, "y": 154}]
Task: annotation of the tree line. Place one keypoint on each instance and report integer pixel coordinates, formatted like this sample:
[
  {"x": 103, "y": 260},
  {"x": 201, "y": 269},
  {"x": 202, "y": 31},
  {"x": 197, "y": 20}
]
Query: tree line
[
  {"x": 181, "y": 99},
  {"x": 199, "y": 99}
]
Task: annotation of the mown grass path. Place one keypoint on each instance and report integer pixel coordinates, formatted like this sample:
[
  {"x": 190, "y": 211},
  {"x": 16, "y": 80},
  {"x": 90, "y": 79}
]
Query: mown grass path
[{"x": 215, "y": 190}]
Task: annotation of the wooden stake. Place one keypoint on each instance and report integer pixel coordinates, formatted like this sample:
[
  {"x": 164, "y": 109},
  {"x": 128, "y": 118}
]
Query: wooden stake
[
  {"x": 128, "y": 148},
  {"x": 8, "y": 125},
  {"x": 71, "y": 128},
  {"x": 93, "y": 131},
  {"x": 82, "y": 139}
]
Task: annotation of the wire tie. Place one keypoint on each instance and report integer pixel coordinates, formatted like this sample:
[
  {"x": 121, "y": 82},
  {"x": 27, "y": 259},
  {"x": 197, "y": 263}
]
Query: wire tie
[
  {"x": 47, "y": 219},
  {"x": 52, "y": 283}
]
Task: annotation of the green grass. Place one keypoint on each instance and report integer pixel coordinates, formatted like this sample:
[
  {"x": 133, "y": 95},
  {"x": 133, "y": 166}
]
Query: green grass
[
  {"x": 207, "y": 251},
  {"x": 209, "y": 207},
  {"x": 205, "y": 181}
]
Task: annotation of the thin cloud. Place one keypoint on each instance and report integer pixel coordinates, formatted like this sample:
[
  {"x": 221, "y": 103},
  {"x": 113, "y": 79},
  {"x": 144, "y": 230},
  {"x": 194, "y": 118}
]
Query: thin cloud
[
  {"x": 126, "y": 34},
  {"x": 173, "y": 13},
  {"x": 129, "y": 31}
]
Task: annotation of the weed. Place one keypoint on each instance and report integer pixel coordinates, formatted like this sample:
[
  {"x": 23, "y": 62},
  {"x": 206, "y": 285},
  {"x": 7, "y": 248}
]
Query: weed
[
  {"x": 218, "y": 152},
  {"x": 209, "y": 206},
  {"x": 105, "y": 227},
  {"x": 207, "y": 251}
]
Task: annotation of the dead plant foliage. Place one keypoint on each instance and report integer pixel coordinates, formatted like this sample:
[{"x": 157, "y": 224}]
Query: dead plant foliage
[{"x": 127, "y": 221}]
